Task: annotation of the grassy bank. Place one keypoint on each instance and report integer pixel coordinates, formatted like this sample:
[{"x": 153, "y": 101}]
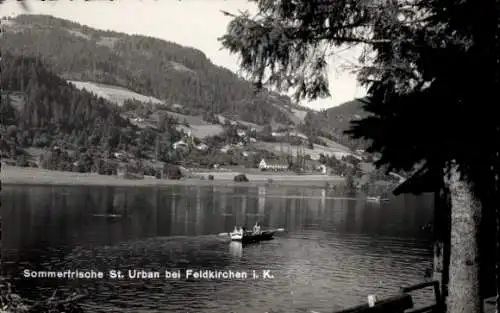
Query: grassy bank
[{"x": 12, "y": 175}]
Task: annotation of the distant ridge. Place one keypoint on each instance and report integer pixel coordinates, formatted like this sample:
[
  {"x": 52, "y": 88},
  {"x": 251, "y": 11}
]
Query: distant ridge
[
  {"x": 149, "y": 66},
  {"x": 334, "y": 121}
]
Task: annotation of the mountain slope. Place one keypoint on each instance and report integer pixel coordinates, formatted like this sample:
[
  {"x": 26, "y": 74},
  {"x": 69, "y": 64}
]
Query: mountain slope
[
  {"x": 153, "y": 67},
  {"x": 331, "y": 123},
  {"x": 117, "y": 95},
  {"x": 50, "y": 102},
  {"x": 40, "y": 109}
]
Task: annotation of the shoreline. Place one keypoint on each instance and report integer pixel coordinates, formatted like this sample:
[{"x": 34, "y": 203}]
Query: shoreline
[{"x": 11, "y": 175}]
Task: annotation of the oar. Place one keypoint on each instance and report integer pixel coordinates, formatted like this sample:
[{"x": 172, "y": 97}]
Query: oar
[
  {"x": 277, "y": 230},
  {"x": 223, "y": 234}
]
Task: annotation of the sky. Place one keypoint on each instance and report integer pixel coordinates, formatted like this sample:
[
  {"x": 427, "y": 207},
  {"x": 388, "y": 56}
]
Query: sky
[{"x": 194, "y": 23}]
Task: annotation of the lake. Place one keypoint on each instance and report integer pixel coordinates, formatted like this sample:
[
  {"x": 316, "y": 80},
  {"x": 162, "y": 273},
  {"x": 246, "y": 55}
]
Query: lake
[{"x": 333, "y": 254}]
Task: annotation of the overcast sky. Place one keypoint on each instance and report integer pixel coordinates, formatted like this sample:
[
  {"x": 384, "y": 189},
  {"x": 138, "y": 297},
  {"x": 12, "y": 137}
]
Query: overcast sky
[{"x": 195, "y": 23}]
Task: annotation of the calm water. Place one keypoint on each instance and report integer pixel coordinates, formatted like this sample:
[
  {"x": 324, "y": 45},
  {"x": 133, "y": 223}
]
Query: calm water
[{"x": 335, "y": 251}]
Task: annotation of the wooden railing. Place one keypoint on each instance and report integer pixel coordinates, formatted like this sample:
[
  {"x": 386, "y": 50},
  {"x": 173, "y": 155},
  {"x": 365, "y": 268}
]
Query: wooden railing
[
  {"x": 438, "y": 306},
  {"x": 396, "y": 304},
  {"x": 402, "y": 302}
]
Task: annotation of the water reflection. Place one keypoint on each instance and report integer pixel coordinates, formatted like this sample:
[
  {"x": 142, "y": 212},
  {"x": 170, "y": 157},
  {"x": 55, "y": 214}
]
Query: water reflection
[
  {"x": 236, "y": 249},
  {"x": 323, "y": 199},
  {"x": 262, "y": 200},
  {"x": 331, "y": 247}
]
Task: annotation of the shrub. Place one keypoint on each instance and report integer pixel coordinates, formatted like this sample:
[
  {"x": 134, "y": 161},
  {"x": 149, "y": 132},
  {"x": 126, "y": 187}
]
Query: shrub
[
  {"x": 240, "y": 178},
  {"x": 158, "y": 175},
  {"x": 172, "y": 171}
]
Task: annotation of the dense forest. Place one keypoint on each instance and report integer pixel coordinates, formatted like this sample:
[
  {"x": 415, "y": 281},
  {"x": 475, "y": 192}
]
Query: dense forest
[
  {"x": 165, "y": 70},
  {"x": 40, "y": 109},
  {"x": 333, "y": 122}
]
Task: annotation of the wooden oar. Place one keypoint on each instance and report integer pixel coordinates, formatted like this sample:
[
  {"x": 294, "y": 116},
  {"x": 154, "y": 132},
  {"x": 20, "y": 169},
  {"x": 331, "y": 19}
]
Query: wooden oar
[{"x": 277, "y": 230}]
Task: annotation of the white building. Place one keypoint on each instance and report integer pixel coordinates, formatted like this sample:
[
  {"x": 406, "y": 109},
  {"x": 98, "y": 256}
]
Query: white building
[
  {"x": 180, "y": 144},
  {"x": 202, "y": 147},
  {"x": 263, "y": 166},
  {"x": 340, "y": 154},
  {"x": 225, "y": 149}
]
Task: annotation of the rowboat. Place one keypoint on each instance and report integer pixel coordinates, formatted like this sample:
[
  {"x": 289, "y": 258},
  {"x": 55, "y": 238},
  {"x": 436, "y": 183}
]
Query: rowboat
[{"x": 250, "y": 236}]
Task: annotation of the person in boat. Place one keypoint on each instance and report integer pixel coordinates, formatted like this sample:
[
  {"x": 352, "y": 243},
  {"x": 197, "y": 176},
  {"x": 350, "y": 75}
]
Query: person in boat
[
  {"x": 256, "y": 228},
  {"x": 237, "y": 230}
]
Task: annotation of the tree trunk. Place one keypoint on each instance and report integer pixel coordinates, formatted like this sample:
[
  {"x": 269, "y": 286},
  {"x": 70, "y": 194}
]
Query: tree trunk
[
  {"x": 497, "y": 258},
  {"x": 463, "y": 287},
  {"x": 442, "y": 216}
]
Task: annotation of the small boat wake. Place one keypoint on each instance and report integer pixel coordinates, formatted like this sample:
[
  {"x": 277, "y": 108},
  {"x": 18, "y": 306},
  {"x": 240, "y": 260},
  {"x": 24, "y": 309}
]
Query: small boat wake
[{"x": 108, "y": 215}]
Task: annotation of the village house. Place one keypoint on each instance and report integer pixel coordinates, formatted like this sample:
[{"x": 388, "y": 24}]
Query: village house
[
  {"x": 298, "y": 135},
  {"x": 341, "y": 154},
  {"x": 293, "y": 134},
  {"x": 322, "y": 168},
  {"x": 225, "y": 149},
  {"x": 122, "y": 156},
  {"x": 275, "y": 134},
  {"x": 241, "y": 133},
  {"x": 180, "y": 144},
  {"x": 202, "y": 147},
  {"x": 277, "y": 166},
  {"x": 137, "y": 120}
]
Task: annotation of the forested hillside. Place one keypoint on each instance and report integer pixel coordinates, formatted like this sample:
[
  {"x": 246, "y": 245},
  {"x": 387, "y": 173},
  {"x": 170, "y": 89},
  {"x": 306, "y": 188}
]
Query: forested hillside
[
  {"x": 332, "y": 123},
  {"x": 41, "y": 110},
  {"x": 150, "y": 66},
  {"x": 49, "y": 103}
]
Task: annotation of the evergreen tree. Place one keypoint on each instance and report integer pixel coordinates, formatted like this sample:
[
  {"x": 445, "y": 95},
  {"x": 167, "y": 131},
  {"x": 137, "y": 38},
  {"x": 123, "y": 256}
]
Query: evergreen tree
[{"x": 425, "y": 83}]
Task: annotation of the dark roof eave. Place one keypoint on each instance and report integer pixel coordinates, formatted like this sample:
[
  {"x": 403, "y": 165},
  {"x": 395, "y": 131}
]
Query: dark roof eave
[{"x": 424, "y": 180}]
